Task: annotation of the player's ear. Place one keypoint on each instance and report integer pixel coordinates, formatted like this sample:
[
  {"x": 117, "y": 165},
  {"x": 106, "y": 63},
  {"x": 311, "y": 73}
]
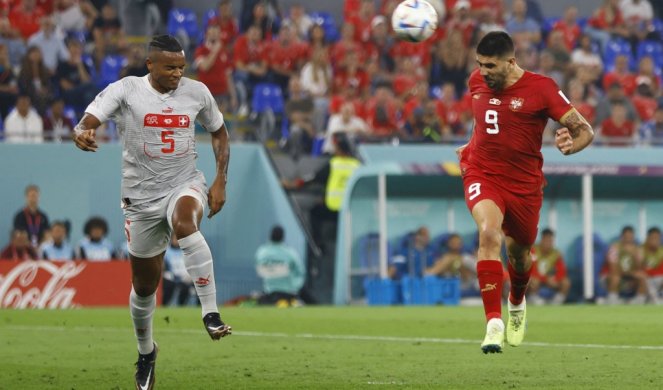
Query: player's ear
[{"x": 149, "y": 63}]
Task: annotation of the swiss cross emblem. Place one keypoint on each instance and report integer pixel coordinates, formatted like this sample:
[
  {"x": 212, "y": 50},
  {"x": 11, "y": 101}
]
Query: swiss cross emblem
[
  {"x": 516, "y": 104},
  {"x": 184, "y": 121}
]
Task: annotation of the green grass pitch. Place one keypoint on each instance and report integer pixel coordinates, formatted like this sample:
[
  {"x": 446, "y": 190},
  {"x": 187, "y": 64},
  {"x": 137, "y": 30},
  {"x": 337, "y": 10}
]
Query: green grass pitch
[{"x": 588, "y": 347}]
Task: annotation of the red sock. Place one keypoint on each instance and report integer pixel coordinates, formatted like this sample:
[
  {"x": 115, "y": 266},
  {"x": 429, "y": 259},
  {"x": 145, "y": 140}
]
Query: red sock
[
  {"x": 490, "y": 274},
  {"x": 519, "y": 283}
]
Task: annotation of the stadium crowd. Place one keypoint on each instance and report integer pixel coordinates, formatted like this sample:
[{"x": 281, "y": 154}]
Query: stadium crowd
[{"x": 297, "y": 76}]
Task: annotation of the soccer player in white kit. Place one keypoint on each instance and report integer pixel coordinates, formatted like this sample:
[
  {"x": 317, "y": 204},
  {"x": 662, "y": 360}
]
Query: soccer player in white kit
[{"x": 162, "y": 191}]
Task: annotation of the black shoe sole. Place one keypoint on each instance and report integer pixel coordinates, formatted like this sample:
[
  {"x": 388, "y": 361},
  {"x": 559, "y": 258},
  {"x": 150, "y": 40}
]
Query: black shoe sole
[{"x": 491, "y": 348}]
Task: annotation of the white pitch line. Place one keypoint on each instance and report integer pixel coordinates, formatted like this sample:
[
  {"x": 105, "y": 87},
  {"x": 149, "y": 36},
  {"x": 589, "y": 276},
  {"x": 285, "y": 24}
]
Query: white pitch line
[{"x": 346, "y": 337}]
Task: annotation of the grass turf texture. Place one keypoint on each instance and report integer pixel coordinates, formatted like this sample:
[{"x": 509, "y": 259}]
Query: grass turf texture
[{"x": 327, "y": 347}]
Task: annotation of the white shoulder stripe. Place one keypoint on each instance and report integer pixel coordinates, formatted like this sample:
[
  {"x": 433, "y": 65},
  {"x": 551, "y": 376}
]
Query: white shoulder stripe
[{"x": 563, "y": 96}]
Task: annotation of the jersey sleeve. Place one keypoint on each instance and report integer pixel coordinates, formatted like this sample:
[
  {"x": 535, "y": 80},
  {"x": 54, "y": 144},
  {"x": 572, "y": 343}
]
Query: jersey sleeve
[
  {"x": 555, "y": 102},
  {"x": 209, "y": 116},
  {"x": 107, "y": 102}
]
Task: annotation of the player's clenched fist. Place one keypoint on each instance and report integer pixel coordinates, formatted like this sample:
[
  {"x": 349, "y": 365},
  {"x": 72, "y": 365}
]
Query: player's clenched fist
[
  {"x": 216, "y": 197},
  {"x": 84, "y": 140},
  {"x": 564, "y": 141}
]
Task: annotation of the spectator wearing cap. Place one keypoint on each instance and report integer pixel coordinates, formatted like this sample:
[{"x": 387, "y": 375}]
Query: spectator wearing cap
[
  {"x": 651, "y": 132},
  {"x": 95, "y": 246}
]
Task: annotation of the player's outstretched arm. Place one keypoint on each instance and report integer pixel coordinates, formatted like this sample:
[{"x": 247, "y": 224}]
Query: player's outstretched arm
[
  {"x": 576, "y": 134},
  {"x": 84, "y": 133},
  {"x": 217, "y": 191}
]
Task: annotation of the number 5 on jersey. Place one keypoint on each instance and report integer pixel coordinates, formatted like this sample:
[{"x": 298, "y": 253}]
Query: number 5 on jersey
[
  {"x": 491, "y": 119},
  {"x": 167, "y": 140}
]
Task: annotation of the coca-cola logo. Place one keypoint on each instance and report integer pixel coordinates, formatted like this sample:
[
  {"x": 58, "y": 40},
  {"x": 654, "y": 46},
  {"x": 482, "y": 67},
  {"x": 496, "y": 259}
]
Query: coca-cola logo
[{"x": 17, "y": 290}]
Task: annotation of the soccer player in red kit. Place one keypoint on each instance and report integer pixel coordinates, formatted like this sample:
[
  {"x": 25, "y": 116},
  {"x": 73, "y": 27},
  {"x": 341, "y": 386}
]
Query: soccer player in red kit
[{"x": 502, "y": 177}]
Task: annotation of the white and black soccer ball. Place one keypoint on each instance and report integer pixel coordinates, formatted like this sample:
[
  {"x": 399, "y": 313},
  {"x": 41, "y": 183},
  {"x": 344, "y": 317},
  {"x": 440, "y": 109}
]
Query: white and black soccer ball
[{"x": 414, "y": 20}]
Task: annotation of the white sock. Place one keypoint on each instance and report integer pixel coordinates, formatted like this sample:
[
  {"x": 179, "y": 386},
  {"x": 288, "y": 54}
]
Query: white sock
[
  {"x": 142, "y": 309},
  {"x": 199, "y": 265},
  {"x": 518, "y": 307}
]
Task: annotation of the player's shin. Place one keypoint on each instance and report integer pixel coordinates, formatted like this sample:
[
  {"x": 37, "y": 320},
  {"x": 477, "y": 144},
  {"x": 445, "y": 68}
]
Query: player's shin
[
  {"x": 142, "y": 310},
  {"x": 490, "y": 275},
  {"x": 519, "y": 282},
  {"x": 199, "y": 265}
]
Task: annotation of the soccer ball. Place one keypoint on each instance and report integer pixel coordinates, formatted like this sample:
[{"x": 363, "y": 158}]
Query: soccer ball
[{"x": 414, "y": 20}]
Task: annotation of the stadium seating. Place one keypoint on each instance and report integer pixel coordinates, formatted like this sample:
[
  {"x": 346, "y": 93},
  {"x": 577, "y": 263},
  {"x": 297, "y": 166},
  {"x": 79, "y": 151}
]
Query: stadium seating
[
  {"x": 430, "y": 290},
  {"x": 382, "y": 291},
  {"x": 615, "y": 48},
  {"x": 651, "y": 49},
  {"x": 575, "y": 266},
  {"x": 267, "y": 96},
  {"x": 110, "y": 69},
  {"x": 326, "y": 20},
  {"x": 183, "y": 22},
  {"x": 70, "y": 113}
]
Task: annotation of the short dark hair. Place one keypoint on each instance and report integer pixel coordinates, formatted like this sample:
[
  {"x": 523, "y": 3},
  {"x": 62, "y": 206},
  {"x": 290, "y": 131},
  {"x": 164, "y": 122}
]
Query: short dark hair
[
  {"x": 277, "y": 234},
  {"x": 95, "y": 222},
  {"x": 165, "y": 43},
  {"x": 495, "y": 44},
  {"x": 342, "y": 143},
  {"x": 628, "y": 228},
  {"x": 547, "y": 232},
  {"x": 653, "y": 229}
]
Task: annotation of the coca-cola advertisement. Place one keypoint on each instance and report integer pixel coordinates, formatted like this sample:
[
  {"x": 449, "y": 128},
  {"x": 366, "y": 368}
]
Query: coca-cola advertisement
[{"x": 64, "y": 284}]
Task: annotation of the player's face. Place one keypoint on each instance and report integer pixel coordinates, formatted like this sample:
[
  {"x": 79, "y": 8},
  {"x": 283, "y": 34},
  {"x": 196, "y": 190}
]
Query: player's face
[
  {"x": 495, "y": 70},
  {"x": 166, "y": 69}
]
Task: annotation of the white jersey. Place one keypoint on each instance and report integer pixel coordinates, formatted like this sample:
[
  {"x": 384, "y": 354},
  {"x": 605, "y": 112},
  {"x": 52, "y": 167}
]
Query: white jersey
[{"x": 157, "y": 132}]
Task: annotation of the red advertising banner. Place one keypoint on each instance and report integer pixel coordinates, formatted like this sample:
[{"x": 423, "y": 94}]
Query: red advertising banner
[{"x": 64, "y": 284}]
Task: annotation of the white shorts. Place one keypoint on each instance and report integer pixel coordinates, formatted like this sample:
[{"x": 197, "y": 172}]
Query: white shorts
[{"x": 148, "y": 225}]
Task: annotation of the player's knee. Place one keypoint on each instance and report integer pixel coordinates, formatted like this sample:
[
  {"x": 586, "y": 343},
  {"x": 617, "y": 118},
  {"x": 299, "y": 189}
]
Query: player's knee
[
  {"x": 145, "y": 290},
  {"x": 184, "y": 228},
  {"x": 490, "y": 239}
]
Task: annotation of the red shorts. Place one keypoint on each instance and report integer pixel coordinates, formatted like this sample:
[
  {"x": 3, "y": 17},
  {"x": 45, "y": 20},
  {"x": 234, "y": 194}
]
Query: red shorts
[{"x": 521, "y": 211}]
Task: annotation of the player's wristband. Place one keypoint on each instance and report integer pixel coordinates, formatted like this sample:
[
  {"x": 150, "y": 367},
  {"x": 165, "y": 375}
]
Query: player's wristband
[{"x": 78, "y": 130}]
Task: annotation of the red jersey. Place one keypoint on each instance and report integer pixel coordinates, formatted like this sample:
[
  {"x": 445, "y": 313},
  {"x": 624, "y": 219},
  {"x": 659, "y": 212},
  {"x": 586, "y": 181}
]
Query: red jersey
[
  {"x": 645, "y": 107},
  {"x": 228, "y": 27},
  {"x": 620, "y": 133},
  {"x": 626, "y": 80},
  {"x": 508, "y": 129},
  {"x": 571, "y": 33},
  {"x": 247, "y": 52},
  {"x": 216, "y": 77}
]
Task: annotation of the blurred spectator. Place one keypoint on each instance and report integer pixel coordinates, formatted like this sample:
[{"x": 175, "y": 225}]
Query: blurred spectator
[
  {"x": 13, "y": 40},
  {"x": 380, "y": 51},
  {"x": 95, "y": 246},
  {"x": 638, "y": 16},
  {"x": 135, "y": 62},
  {"x": 381, "y": 113},
  {"x": 299, "y": 109},
  {"x": 422, "y": 122},
  {"x": 620, "y": 75},
  {"x": 456, "y": 113},
  {"x": 345, "y": 45},
  {"x": 606, "y": 22},
  {"x": 557, "y": 47},
  {"x": 344, "y": 122},
  {"x": 406, "y": 78},
  {"x": 107, "y": 33},
  {"x": 618, "y": 130},
  {"x": 286, "y": 56},
  {"x": 652, "y": 256},
  {"x": 57, "y": 127},
  {"x": 647, "y": 74},
  {"x": 644, "y": 102},
  {"x": 548, "y": 270},
  {"x": 226, "y": 22},
  {"x": 455, "y": 262},
  {"x": 31, "y": 218},
  {"x": 25, "y": 17},
  {"x": 462, "y": 21},
  {"x": 281, "y": 269},
  {"x": 450, "y": 62},
  {"x": 614, "y": 94},
  {"x": 569, "y": 27},
  {"x": 317, "y": 38},
  {"x": 300, "y": 21},
  {"x": 414, "y": 258},
  {"x": 176, "y": 280},
  {"x": 576, "y": 94},
  {"x": 316, "y": 80},
  {"x": 623, "y": 269},
  {"x": 362, "y": 21},
  {"x": 547, "y": 67},
  {"x": 8, "y": 85},
  {"x": 584, "y": 56},
  {"x": 418, "y": 52},
  {"x": 73, "y": 77},
  {"x": 520, "y": 26},
  {"x": 250, "y": 57},
  {"x": 23, "y": 124},
  {"x": 18, "y": 248},
  {"x": 651, "y": 132},
  {"x": 58, "y": 247},
  {"x": 34, "y": 79},
  {"x": 261, "y": 13},
  {"x": 214, "y": 67},
  {"x": 352, "y": 74},
  {"x": 51, "y": 43},
  {"x": 74, "y": 15}
]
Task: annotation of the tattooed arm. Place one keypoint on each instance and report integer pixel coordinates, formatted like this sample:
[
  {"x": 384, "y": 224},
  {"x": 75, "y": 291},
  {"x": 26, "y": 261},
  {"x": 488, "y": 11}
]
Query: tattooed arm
[
  {"x": 217, "y": 191},
  {"x": 576, "y": 134}
]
